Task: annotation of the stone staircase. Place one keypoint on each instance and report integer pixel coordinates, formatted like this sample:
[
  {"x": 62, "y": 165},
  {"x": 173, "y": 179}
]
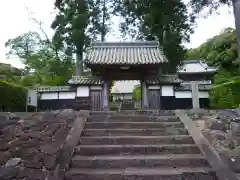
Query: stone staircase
[
  {"x": 127, "y": 105},
  {"x": 137, "y": 147}
]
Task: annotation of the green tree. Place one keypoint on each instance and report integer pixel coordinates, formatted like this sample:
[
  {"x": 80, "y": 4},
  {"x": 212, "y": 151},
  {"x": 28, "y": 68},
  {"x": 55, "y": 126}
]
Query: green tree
[
  {"x": 137, "y": 94},
  {"x": 220, "y": 51},
  {"x": 168, "y": 21},
  {"x": 79, "y": 22},
  {"x": 213, "y": 5},
  {"x": 41, "y": 59}
]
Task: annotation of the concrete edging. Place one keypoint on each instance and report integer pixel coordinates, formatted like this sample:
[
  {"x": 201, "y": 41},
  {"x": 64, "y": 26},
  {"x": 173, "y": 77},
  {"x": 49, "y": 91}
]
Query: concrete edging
[{"x": 67, "y": 149}]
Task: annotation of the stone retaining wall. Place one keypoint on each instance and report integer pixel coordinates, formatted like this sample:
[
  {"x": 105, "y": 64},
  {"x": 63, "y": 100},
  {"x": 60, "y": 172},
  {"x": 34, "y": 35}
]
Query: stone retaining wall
[{"x": 29, "y": 147}]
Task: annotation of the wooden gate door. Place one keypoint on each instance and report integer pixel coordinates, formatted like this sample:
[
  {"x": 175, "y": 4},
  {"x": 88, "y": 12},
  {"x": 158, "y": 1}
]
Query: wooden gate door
[
  {"x": 154, "y": 98},
  {"x": 96, "y": 100}
]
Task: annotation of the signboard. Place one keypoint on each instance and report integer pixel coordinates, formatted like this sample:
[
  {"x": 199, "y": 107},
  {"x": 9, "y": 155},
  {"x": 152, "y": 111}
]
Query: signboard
[{"x": 32, "y": 98}]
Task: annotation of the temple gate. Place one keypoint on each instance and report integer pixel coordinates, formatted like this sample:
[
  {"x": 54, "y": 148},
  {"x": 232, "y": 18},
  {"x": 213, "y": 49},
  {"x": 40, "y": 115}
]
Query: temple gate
[{"x": 143, "y": 60}]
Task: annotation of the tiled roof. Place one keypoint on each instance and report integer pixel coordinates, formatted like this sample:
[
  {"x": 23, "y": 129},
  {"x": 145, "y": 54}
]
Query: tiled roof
[
  {"x": 122, "y": 53},
  {"x": 164, "y": 79},
  {"x": 84, "y": 80},
  {"x": 195, "y": 66},
  {"x": 187, "y": 87},
  {"x": 54, "y": 88}
]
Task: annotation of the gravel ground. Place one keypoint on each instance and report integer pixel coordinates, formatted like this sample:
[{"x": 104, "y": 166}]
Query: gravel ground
[{"x": 30, "y": 143}]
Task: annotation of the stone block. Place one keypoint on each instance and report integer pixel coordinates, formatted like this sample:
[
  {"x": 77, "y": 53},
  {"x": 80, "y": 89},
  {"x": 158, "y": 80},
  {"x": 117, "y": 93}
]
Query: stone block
[
  {"x": 50, "y": 161},
  {"x": 13, "y": 162},
  {"x": 218, "y": 125},
  {"x": 235, "y": 129}
]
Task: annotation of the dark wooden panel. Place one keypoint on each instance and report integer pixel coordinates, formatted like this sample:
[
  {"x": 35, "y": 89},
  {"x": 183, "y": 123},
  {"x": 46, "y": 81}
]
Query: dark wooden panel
[
  {"x": 171, "y": 103},
  {"x": 82, "y": 103},
  {"x": 96, "y": 100},
  {"x": 154, "y": 96}
]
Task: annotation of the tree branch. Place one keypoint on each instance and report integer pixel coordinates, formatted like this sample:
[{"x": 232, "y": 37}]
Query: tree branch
[{"x": 39, "y": 23}]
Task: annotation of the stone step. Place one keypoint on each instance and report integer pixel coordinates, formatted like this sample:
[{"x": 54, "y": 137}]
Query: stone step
[
  {"x": 98, "y": 117},
  {"x": 115, "y": 140},
  {"x": 134, "y": 132},
  {"x": 91, "y": 150},
  {"x": 200, "y": 173},
  {"x": 169, "y": 160},
  {"x": 98, "y": 113},
  {"x": 144, "y": 125},
  {"x": 128, "y": 118}
]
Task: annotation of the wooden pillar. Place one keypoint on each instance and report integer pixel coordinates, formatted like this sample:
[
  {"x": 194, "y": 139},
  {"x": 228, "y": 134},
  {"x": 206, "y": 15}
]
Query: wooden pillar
[
  {"x": 160, "y": 94},
  {"x": 195, "y": 95},
  {"x": 145, "y": 95},
  {"x": 141, "y": 90},
  {"x": 105, "y": 96}
]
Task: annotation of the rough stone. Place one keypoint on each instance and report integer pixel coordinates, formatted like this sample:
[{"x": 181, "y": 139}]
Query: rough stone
[
  {"x": 32, "y": 164},
  {"x": 4, "y": 156},
  {"x": 13, "y": 162},
  {"x": 50, "y": 148},
  {"x": 35, "y": 142},
  {"x": 7, "y": 173},
  {"x": 49, "y": 161},
  {"x": 235, "y": 129},
  {"x": 218, "y": 125}
]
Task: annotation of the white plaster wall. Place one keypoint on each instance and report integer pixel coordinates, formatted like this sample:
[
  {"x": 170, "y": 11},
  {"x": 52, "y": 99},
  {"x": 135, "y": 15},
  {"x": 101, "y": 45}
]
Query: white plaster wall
[
  {"x": 188, "y": 94},
  {"x": 83, "y": 91},
  {"x": 154, "y": 87},
  {"x": 183, "y": 94},
  {"x": 49, "y": 95},
  {"x": 67, "y": 95},
  {"x": 167, "y": 91},
  {"x": 203, "y": 94},
  {"x": 192, "y": 67}
]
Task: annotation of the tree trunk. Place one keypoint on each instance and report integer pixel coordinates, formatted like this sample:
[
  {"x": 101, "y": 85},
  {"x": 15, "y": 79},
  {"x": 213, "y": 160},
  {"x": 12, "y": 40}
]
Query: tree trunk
[
  {"x": 79, "y": 64},
  {"x": 236, "y": 10},
  {"x": 103, "y": 33}
]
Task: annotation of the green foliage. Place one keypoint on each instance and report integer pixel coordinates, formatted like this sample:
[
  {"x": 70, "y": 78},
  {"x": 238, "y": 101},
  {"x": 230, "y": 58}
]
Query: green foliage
[
  {"x": 7, "y": 69},
  {"x": 225, "y": 93},
  {"x": 168, "y": 21},
  {"x": 79, "y": 22},
  {"x": 212, "y": 5},
  {"x": 24, "y": 45},
  {"x": 137, "y": 94},
  {"x": 10, "y": 73},
  {"x": 220, "y": 51},
  {"x": 48, "y": 66},
  {"x": 13, "y": 97}
]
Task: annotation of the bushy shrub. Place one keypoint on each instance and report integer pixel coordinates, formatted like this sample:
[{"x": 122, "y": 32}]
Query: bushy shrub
[
  {"x": 226, "y": 94},
  {"x": 12, "y": 97},
  {"x": 137, "y": 94}
]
